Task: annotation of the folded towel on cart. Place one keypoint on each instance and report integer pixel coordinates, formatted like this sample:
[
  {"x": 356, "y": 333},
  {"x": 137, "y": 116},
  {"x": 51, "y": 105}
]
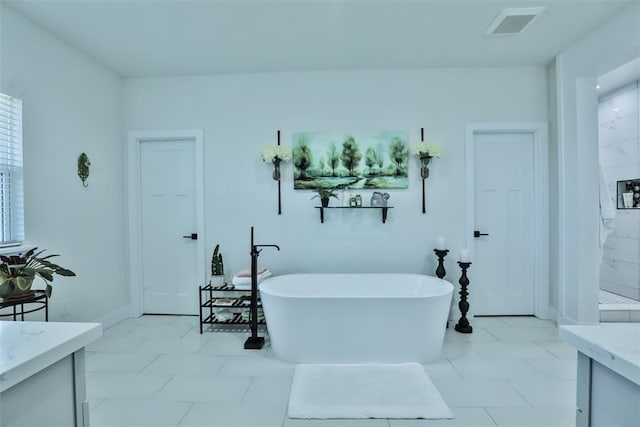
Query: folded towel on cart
[
  {"x": 247, "y": 272},
  {"x": 244, "y": 283},
  {"x": 223, "y": 314}
]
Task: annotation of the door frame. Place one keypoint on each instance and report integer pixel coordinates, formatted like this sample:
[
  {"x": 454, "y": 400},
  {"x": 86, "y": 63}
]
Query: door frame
[
  {"x": 541, "y": 200},
  {"x": 135, "y": 141}
]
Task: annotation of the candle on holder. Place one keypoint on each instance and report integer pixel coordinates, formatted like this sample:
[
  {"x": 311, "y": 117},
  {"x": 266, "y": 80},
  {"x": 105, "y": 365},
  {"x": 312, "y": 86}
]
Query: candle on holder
[
  {"x": 441, "y": 243},
  {"x": 463, "y": 325},
  {"x": 464, "y": 255}
]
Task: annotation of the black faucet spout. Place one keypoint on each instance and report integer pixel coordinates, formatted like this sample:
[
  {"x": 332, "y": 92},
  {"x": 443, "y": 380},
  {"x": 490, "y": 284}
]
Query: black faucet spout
[{"x": 267, "y": 246}]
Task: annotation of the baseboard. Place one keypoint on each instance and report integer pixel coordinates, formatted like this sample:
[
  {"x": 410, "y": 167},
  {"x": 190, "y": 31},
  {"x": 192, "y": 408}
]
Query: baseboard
[
  {"x": 549, "y": 314},
  {"x": 113, "y": 318},
  {"x": 564, "y": 320},
  {"x": 552, "y": 314}
]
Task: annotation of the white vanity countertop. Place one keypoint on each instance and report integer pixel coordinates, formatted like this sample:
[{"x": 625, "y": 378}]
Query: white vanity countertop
[
  {"x": 614, "y": 345},
  {"x": 29, "y": 347}
]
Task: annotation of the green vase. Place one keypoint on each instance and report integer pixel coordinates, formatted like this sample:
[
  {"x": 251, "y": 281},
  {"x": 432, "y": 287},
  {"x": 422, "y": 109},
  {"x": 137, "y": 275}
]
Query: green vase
[{"x": 16, "y": 288}]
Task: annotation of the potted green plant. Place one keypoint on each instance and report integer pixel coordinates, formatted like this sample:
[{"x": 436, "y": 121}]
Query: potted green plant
[
  {"x": 217, "y": 268},
  {"x": 324, "y": 194},
  {"x": 17, "y": 273}
]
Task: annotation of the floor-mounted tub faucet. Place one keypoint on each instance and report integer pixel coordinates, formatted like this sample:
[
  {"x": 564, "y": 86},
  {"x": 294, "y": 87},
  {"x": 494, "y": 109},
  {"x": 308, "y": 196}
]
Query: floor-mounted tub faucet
[{"x": 254, "y": 342}]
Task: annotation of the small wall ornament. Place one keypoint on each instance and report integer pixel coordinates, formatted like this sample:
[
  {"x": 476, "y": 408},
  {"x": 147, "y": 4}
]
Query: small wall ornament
[
  {"x": 425, "y": 151},
  {"x": 276, "y": 154},
  {"x": 83, "y": 168}
]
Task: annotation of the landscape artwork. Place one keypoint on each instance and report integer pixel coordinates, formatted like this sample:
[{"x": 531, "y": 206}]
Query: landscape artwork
[{"x": 370, "y": 160}]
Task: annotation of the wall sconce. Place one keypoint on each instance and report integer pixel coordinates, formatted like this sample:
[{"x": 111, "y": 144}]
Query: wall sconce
[
  {"x": 83, "y": 168},
  {"x": 425, "y": 151},
  {"x": 276, "y": 154}
]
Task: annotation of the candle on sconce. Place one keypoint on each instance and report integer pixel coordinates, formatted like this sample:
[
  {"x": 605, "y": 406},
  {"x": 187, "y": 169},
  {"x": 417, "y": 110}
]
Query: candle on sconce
[
  {"x": 441, "y": 243},
  {"x": 464, "y": 255}
]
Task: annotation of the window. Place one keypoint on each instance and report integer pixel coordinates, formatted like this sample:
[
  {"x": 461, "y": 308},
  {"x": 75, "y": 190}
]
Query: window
[{"x": 11, "y": 196}]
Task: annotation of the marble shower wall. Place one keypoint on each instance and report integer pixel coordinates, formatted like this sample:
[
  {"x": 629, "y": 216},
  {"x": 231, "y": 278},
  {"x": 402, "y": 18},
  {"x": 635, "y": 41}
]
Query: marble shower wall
[{"x": 619, "y": 139}]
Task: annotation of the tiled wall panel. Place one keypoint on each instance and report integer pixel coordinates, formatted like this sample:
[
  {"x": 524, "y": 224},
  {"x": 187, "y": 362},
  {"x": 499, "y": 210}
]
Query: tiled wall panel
[{"x": 619, "y": 138}]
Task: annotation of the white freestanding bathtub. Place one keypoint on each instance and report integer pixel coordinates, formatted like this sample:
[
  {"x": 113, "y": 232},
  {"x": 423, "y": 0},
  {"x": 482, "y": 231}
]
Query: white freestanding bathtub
[{"x": 354, "y": 318}]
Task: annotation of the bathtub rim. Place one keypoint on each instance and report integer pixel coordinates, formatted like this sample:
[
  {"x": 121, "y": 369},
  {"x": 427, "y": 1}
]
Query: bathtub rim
[{"x": 448, "y": 287}]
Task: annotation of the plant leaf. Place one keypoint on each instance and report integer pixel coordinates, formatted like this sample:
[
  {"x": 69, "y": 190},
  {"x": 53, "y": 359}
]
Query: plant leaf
[
  {"x": 64, "y": 272},
  {"x": 48, "y": 264},
  {"x": 16, "y": 260},
  {"x": 6, "y": 288},
  {"x": 47, "y": 290},
  {"x": 30, "y": 252},
  {"x": 27, "y": 272},
  {"x": 46, "y": 274},
  {"x": 24, "y": 283}
]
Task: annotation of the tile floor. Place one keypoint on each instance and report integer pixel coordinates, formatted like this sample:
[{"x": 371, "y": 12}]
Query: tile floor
[{"x": 159, "y": 371}]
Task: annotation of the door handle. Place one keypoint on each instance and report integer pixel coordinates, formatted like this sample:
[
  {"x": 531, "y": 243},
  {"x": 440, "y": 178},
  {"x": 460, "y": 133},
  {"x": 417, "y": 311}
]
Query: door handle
[
  {"x": 192, "y": 236},
  {"x": 477, "y": 233}
]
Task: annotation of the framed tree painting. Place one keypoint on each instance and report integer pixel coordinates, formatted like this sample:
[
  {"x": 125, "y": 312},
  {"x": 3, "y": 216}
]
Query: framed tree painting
[{"x": 370, "y": 160}]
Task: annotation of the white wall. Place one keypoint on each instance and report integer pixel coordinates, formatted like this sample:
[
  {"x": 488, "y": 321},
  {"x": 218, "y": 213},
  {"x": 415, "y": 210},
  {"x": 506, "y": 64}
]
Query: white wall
[
  {"x": 71, "y": 105},
  {"x": 576, "y": 70},
  {"x": 241, "y": 113},
  {"x": 619, "y": 141}
]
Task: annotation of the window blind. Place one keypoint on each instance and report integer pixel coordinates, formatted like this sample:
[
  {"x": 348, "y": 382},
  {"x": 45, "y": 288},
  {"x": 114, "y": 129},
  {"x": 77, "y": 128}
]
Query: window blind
[{"x": 11, "y": 182}]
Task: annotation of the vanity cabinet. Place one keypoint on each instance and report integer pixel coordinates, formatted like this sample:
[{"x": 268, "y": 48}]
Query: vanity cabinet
[
  {"x": 608, "y": 381},
  {"x": 42, "y": 373},
  {"x": 215, "y": 298}
]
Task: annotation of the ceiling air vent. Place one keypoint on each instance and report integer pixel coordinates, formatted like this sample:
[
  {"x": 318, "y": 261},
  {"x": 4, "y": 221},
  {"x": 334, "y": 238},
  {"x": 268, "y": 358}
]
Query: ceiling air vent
[{"x": 513, "y": 21}]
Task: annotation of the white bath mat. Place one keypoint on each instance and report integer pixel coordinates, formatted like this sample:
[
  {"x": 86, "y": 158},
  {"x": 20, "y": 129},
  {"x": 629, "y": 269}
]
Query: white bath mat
[{"x": 365, "y": 391}]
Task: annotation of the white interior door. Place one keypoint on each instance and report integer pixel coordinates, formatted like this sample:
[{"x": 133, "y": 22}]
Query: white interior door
[
  {"x": 503, "y": 269},
  {"x": 168, "y": 213}
]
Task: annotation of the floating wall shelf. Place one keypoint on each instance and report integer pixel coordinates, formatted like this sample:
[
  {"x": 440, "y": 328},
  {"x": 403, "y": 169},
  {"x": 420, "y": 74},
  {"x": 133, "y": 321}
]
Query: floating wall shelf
[{"x": 384, "y": 210}]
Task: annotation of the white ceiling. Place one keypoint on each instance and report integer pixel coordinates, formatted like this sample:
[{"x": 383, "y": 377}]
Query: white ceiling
[{"x": 170, "y": 37}]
